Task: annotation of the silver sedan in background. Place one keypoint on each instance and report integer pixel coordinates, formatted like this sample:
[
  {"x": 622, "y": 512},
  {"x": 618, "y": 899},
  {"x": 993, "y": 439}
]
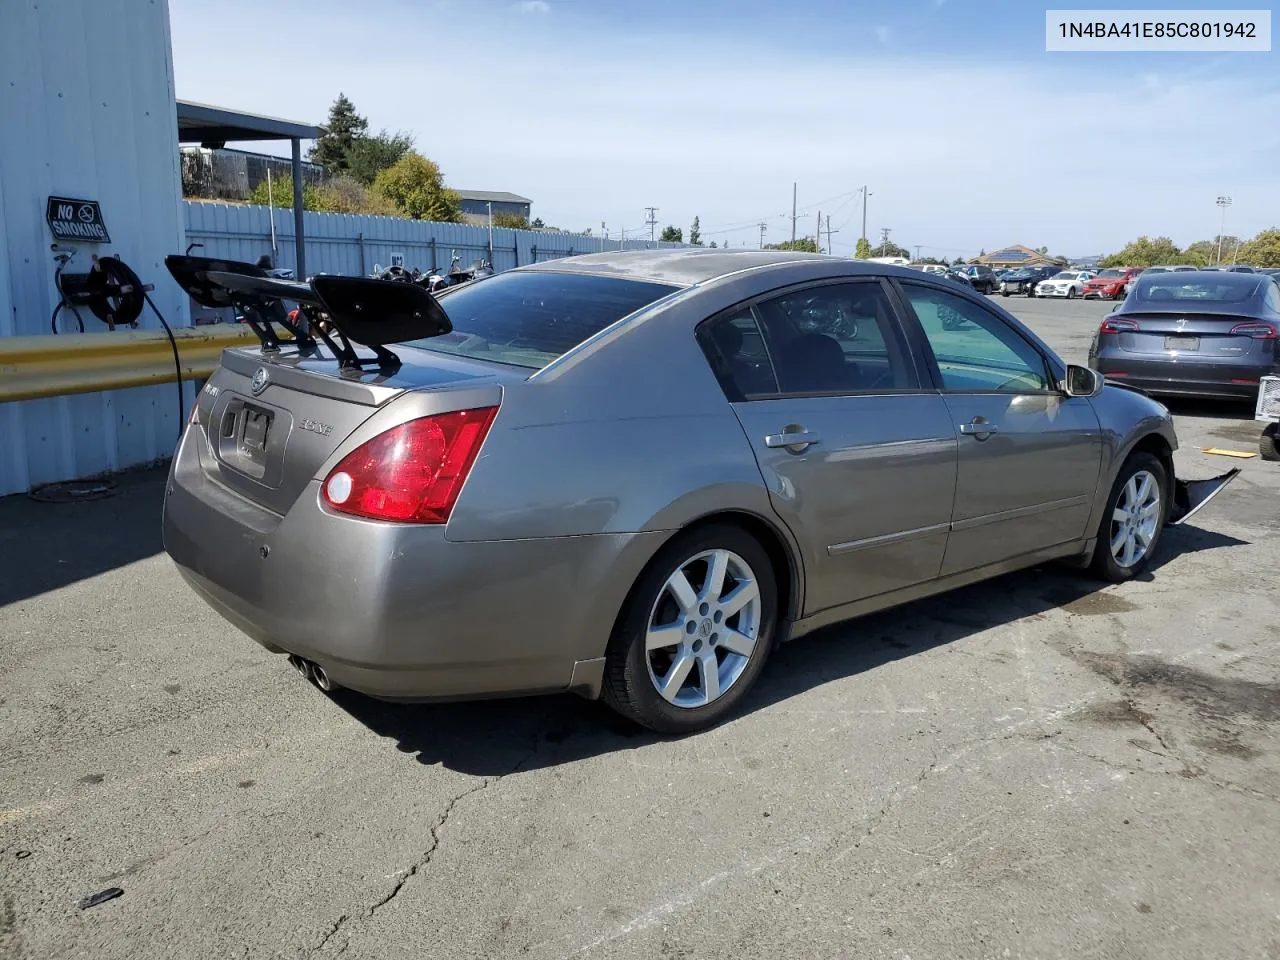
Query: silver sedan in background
[{"x": 632, "y": 475}]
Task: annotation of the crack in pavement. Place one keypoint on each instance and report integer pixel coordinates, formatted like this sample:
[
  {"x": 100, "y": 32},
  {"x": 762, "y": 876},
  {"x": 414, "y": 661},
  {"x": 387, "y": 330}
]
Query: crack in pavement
[{"x": 429, "y": 853}]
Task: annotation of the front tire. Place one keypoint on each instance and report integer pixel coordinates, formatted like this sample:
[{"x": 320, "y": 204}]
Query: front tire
[
  {"x": 1071, "y": 293},
  {"x": 695, "y": 631},
  {"x": 1133, "y": 520}
]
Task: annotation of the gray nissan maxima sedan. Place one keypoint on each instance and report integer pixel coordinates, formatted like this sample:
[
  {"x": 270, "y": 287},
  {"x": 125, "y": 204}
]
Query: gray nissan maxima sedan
[
  {"x": 1204, "y": 333},
  {"x": 632, "y": 475}
]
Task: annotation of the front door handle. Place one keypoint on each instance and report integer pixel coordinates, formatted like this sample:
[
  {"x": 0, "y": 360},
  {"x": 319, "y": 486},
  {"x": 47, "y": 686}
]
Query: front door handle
[
  {"x": 796, "y": 440},
  {"x": 979, "y": 427}
]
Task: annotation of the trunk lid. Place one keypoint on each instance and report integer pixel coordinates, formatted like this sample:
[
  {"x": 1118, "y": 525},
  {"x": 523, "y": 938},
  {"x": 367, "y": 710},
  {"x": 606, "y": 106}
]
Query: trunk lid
[
  {"x": 271, "y": 422},
  {"x": 1208, "y": 337}
]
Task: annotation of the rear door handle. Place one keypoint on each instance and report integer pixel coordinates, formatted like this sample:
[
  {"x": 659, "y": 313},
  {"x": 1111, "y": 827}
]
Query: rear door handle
[{"x": 798, "y": 439}]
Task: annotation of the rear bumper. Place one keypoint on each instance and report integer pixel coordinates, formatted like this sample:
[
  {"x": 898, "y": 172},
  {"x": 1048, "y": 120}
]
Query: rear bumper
[
  {"x": 401, "y": 612},
  {"x": 1166, "y": 378}
]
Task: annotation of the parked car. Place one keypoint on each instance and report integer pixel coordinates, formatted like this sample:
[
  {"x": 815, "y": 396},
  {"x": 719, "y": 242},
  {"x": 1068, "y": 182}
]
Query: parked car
[
  {"x": 983, "y": 279},
  {"x": 1025, "y": 279},
  {"x": 1178, "y": 268},
  {"x": 474, "y": 493},
  {"x": 958, "y": 276},
  {"x": 1112, "y": 283},
  {"x": 1210, "y": 333},
  {"x": 1065, "y": 283}
]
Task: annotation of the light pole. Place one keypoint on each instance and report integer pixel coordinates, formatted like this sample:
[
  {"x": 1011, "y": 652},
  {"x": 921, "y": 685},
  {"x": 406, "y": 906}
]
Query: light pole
[{"x": 1223, "y": 203}]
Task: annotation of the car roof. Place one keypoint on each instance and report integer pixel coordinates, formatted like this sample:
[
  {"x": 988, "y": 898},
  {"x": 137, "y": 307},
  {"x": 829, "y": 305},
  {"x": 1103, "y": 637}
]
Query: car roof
[{"x": 689, "y": 266}]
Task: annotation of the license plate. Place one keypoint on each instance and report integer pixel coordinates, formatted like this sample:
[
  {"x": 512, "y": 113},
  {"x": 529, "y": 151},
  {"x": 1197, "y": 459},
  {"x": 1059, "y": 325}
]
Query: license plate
[
  {"x": 253, "y": 438},
  {"x": 1182, "y": 343}
]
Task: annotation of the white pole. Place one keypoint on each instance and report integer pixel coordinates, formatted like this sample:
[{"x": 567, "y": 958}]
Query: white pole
[{"x": 271, "y": 209}]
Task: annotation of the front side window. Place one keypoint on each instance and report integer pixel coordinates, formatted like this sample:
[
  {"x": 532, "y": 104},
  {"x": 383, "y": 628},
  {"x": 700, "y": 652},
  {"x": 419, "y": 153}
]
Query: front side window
[
  {"x": 974, "y": 348},
  {"x": 836, "y": 338}
]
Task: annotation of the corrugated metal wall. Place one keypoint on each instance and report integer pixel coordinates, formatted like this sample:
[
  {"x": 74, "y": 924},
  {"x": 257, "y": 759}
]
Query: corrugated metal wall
[{"x": 83, "y": 117}]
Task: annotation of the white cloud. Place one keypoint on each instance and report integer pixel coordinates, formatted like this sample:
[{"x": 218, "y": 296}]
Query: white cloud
[
  {"x": 533, "y": 6},
  {"x": 592, "y": 130}
]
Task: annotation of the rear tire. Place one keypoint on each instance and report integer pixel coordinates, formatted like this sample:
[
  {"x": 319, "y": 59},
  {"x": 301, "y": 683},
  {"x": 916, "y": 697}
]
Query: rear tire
[
  {"x": 1269, "y": 442},
  {"x": 722, "y": 646},
  {"x": 1134, "y": 519},
  {"x": 1071, "y": 293}
]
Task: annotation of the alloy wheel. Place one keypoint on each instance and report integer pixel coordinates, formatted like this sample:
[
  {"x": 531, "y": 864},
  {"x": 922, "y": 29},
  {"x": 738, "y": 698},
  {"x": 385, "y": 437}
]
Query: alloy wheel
[
  {"x": 1135, "y": 519},
  {"x": 703, "y": 628}
]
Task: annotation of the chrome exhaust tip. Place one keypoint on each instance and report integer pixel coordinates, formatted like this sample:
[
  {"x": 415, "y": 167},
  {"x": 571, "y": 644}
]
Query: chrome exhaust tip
[
  {"x": 300, "y": 665},
  {"x": 320, "y": 678}
]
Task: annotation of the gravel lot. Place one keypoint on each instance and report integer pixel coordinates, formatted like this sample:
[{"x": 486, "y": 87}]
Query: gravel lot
[{"x": 1034, "y": 767}]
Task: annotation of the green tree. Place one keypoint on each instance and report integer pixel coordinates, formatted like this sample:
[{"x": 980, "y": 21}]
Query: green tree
[
  {"x": 345, "y": 126},
  {"x": 803, "y": 245},
  {"x": 695, "y": 233},
  {"x": 1263, "y": 250},
  {"x": 713, "y": 245},
  {"x": 537, "y": 223},
  {"x": 348, "y": 195},
  {"x": 1145, "y": 252},
  {"x": 366, "y": 157},
  {"x": 416, "y": 186},
  {"x": 512, "y": 221},
  {"x": 280, "y": 194},
  {"x": 863, "y": 250},
  {"x": 672, "y": 235}
]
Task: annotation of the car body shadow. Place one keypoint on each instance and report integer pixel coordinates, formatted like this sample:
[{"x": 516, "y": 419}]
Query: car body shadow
[
  {"x": 46, "y": 546},
  {"x": 499, "y": 737},
  {"x": 1236, "y": 410}
]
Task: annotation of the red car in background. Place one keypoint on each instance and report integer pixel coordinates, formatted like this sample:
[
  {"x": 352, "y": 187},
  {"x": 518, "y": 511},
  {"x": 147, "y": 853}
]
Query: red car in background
[{"x": 1111, "y": 283}]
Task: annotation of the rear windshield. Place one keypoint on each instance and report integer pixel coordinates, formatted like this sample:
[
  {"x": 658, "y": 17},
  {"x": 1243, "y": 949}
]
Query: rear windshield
[
  {"x": 1170, "y": 288},
  {"x": 530, "y": 319}
]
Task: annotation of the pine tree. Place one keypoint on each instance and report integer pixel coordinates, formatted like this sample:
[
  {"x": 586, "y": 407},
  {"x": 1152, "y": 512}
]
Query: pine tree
[
  {"x": 344, "y": 128},
  {"x": 695, "y": 233}
]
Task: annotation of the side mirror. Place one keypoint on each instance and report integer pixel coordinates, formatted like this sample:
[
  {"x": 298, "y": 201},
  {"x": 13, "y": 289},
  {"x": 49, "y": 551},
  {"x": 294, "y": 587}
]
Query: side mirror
[{"x": 1082, "y": 382}]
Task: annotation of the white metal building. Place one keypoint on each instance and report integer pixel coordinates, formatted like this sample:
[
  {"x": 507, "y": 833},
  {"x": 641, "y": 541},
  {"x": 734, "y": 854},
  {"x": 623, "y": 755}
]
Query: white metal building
[{"x": 88, "y": 112}]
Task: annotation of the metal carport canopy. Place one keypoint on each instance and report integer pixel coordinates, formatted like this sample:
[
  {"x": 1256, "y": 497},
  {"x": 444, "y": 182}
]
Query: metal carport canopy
[{"x": 216, "y": 126}]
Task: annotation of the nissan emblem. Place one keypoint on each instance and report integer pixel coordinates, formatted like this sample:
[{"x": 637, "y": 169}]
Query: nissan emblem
[{"x": 259, "y": 381}]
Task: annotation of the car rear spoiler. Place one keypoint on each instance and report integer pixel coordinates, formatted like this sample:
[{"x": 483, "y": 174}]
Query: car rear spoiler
[
  {"x": 1189, "y": 496},
  {"x": 356, "y": 310}
]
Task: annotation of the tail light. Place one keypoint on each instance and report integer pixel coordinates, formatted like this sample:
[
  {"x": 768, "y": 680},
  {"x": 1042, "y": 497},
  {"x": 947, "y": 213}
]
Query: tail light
[
  {"x": 412, "y": 473},
  {"x": 1256, "y": 329},
  {"x": 1117, "y": 325}
]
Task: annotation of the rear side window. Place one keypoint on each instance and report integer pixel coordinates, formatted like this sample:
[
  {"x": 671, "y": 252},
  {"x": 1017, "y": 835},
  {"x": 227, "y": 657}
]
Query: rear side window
[
  {"x": 530, "y": 319},
  {"x": 831, "y": 339}
]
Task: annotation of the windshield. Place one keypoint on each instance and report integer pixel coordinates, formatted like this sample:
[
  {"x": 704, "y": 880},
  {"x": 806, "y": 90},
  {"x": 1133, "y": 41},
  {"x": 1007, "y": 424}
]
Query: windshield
[
  {"x": 1064, "y": 275},
  {"x": 529, "y": 319},
  {"x": 1111, "y": 273},
  {"x": 1168, "y": 288}
]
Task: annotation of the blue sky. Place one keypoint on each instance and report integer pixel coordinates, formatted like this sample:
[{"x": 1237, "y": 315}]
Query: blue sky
[{"x": 968, "y": 134}]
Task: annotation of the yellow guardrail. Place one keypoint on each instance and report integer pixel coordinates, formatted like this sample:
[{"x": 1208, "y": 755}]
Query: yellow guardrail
[{"x": 53, "y": 366}]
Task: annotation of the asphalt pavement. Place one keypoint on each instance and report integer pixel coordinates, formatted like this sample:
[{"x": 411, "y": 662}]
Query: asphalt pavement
[{"x": 1040, "y": 766}]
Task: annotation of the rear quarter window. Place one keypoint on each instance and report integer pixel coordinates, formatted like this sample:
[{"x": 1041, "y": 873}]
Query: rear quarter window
[{"x": 529, "y": 319}]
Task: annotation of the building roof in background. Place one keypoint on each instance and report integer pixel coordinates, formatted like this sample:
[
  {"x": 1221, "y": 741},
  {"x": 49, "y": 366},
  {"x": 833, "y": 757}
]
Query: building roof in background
[
  {"x": 1014, "y": 253},
  {"x": 202, "y": 123},
  {"x": 492, "y": 196}
]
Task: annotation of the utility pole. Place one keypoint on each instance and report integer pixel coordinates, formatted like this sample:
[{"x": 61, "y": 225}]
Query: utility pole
[
  {"x": 490, "y": 206},
  {"x": 604, "y": 235},
  {"x": 817, "y": 237},
  {"x": 918, "y": 252},
  {"x": 622, "y": 244},
  {"x": 651, "y": 222},
  {"x": 830, "y": 249},
  {"x": 864, "y": 211},
  {"x": 763, "y": 227},
  {"x": 884, "y": 241},
  {"x": 793, "y": 212},
  {"x": 1223, "y": 203}
]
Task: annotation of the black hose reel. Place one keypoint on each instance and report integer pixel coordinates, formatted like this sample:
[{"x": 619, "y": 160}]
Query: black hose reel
[{"x": 111, "y": 291}]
